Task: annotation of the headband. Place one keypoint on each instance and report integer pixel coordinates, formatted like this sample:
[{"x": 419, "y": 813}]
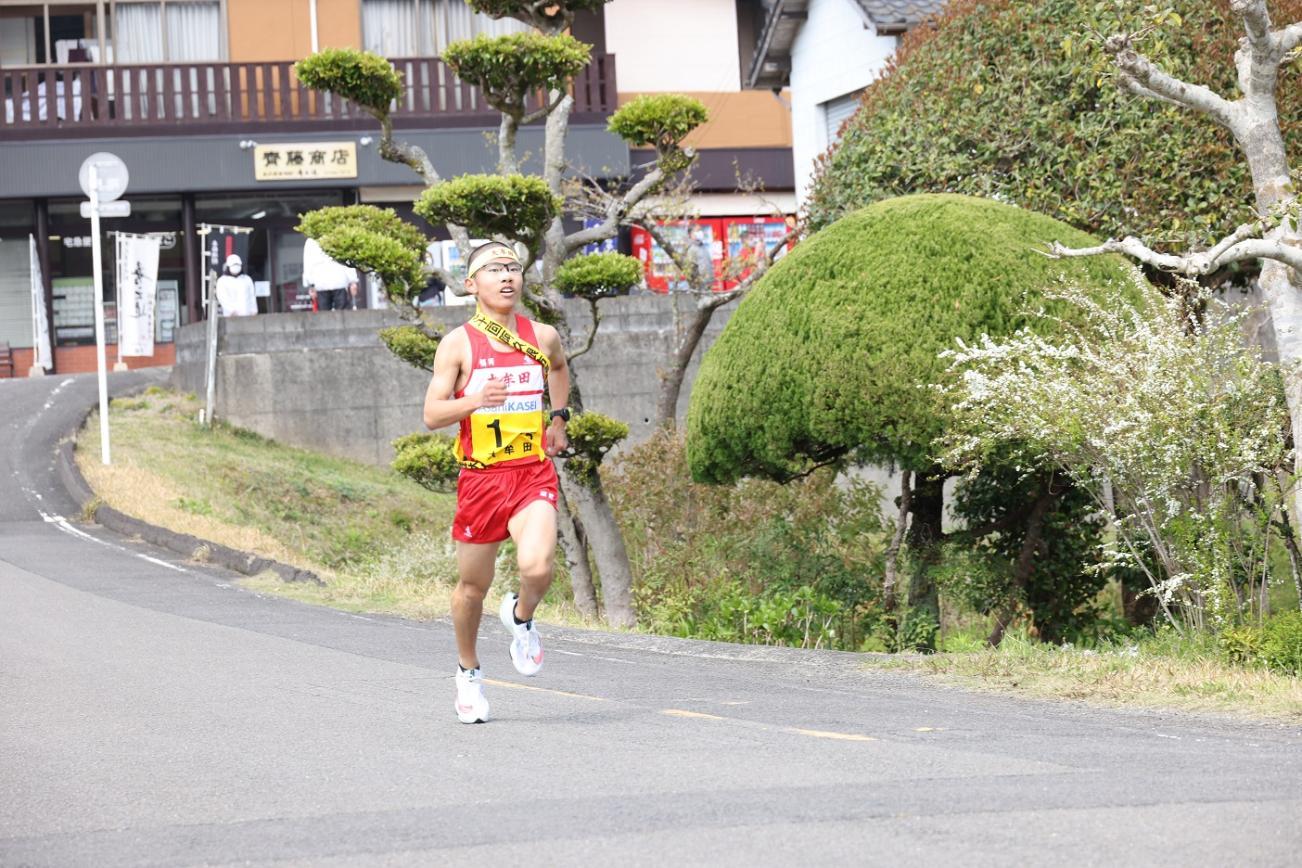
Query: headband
[{"x": 488, "y": 254}]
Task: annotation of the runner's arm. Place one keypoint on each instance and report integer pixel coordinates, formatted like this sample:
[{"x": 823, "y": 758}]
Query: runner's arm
[
  {"x": 558, "y": 389},
  {"x": 441, "y": 409}
]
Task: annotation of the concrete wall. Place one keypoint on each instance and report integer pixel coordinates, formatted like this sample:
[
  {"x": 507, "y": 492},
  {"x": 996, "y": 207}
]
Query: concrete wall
[
  {"x": 325, "y": 382},
  {"x": 836, "y": 52}
]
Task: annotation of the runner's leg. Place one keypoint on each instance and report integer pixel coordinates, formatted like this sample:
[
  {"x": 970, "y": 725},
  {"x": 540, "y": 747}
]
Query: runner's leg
[
  {"x": 534, "y": 531},
  {"x": 475, "y": 573}
]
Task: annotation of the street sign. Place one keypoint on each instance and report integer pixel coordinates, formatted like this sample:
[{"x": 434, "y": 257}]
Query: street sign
[
  {"x": 119, "y": 208},
  {"x": 111, "y": 175}
]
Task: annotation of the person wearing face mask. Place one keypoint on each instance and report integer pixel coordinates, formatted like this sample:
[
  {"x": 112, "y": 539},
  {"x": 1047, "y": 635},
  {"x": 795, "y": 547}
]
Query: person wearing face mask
[{"x": 235, "y": 295}]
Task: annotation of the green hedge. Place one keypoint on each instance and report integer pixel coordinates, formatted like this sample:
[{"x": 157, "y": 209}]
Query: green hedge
[
  {"x": 1015, "y": 99},
  {"x": 834, "y": 348}
]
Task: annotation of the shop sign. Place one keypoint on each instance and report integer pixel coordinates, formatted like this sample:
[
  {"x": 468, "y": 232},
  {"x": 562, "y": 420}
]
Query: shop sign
[{"x": 307, "y": 161}]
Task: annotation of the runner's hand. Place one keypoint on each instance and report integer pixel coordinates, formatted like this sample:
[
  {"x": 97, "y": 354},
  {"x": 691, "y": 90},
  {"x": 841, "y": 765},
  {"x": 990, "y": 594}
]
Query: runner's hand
[
  {"x": 493, "y": 395},
  {"x": 557, "y": 439}
]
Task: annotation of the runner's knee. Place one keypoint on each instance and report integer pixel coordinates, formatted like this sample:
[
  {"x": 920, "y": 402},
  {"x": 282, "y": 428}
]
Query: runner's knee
[{"x": 535, "y": 567}]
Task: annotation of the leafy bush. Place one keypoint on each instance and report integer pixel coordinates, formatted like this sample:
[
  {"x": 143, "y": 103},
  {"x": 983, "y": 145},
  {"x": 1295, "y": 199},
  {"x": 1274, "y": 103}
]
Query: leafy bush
[
  {"x": 428, "y": 459},
  {"x": 366, "y": 79},
  {"x": 796, "y": 564},
  {"x": 371, "y": 239},
  {"x": 507, "y": 68},
  {"x": 411, "y": 344},
  {"x": 830, "y": 353},
  {"x": 1014, "y": 99},
  {"x": 1276, "y": 644},
  {"x": 591, "y": 436},
  {"x": 1169, "y": 423},
  {"x": 518, "y": 207},
  {"x": 662, "y": 121},
  {"x": 1281, "y": 643},
  {"x": 598, "y": 275},
  {"x": 1062, "y": 588}
]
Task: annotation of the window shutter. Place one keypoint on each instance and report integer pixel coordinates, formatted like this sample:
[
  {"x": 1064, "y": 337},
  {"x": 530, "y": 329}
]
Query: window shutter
[{"x": 838, "y": 111}]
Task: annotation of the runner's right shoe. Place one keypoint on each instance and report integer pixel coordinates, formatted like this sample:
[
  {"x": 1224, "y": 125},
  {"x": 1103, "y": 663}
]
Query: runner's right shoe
[
  {"x": 471, "y": 705},
  {"x": 526, "y": 645}
]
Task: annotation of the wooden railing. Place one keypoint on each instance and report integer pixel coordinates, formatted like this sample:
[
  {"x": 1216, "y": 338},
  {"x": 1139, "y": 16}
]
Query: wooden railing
[{"x": 143, "y": 99}]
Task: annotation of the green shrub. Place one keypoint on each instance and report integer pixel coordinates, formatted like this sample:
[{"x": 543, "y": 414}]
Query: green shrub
[
  {"x": 366, "y": 79},
  {"x": 833, "y": 349},
  {"x": 662, "y": 121},
  {"x": 517, "y": 207},
  {"x": 372, "y": 239},
  {"x": 1014, "y": 99},
  {"x": 598, "y": 275},
  {"x": 1275, "y": 644},
  {"x": 755, "y": 562},
  {"x": 428, "y": 459},
  {"x": 507, "y": 68},
  {"x": 411, "y": 344},
  {"x": 591, "y": 435},
  {"x": 1281, "y": 643}
]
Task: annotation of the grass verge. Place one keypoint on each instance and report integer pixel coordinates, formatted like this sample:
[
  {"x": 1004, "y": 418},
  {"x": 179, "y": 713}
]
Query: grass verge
[
  {"x": 380, "y": 542},
  {"x": 1160, "y": 672}
]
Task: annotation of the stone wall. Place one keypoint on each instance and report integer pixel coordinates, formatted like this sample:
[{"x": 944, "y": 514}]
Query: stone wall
[{"x": 325, "y": 382}]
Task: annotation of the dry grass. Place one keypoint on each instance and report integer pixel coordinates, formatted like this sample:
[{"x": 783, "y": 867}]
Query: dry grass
[
  {"x": 1161, "y": 674},
  {"x": 380, "y": 542}
]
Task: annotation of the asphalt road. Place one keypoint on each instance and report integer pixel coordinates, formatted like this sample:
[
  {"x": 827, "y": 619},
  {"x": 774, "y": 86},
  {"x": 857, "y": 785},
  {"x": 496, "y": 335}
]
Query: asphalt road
[{"x": 154, "y": 713}]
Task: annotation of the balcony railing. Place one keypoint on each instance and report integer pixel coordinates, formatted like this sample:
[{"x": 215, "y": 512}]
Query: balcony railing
[{"x": 147, "y": 99}]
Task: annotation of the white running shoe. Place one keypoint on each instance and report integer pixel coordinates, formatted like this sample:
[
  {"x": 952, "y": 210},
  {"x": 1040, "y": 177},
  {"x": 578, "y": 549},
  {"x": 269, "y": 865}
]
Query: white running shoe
[
  {"x": 526, "y": 646},
  {"x": 472, "y": 707}
]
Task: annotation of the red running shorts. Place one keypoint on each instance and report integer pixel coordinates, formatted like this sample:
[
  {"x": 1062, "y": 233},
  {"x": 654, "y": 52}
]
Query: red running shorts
[{"x": 489, "y": 498}]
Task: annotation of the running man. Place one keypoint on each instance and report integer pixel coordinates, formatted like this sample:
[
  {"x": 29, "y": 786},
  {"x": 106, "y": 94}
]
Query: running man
[{"x": 490, "y": 376}]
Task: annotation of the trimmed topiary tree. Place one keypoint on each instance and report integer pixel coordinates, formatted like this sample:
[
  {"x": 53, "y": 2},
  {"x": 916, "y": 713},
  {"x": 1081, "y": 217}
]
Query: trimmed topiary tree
[
  {"x": 524, "y": 209},
  {"x": 830, "y": 357}
]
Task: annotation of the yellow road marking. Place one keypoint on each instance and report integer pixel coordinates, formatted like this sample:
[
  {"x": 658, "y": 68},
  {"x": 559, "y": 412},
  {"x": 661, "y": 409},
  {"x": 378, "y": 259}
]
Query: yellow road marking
[
  {"x": 929, "y": 729},
  {"x": 678, "y": 712},
  {"x": 840, "y": 736},
  {"x": 513, "y": 686}
]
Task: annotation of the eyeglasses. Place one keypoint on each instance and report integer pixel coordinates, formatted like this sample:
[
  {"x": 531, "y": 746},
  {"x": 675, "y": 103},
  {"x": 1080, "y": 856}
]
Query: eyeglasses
[{"x": 498, "y": 269}]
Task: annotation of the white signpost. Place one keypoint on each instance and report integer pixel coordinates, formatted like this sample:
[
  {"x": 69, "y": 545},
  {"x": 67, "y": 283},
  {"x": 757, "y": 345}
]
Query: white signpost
[{"x": 103, "y": 178}]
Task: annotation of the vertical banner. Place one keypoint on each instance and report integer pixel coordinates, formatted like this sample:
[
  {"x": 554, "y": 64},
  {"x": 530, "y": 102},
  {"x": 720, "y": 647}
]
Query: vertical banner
[
  {"x": 137, "y": 282},
  {"x": 40, "y": 319},
  {"x": 220, "y": 242}
]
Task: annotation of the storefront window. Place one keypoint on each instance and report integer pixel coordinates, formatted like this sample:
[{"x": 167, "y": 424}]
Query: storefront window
[
  {"x": 73, "y": 278},
  {"x": 275, "y": 247}
]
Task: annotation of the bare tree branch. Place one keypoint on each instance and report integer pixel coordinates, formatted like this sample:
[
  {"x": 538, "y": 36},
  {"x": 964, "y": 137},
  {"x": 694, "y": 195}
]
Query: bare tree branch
[
  {"x": 1193, "y": 264},
  {"x": 616, "y": 211},
  {"x": 1287, "y": 39},
  {"x": 1135, "y": 67}
]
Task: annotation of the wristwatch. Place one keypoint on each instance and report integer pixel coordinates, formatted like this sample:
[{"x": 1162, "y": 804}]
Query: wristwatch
[{"x": 563, "y": 412}]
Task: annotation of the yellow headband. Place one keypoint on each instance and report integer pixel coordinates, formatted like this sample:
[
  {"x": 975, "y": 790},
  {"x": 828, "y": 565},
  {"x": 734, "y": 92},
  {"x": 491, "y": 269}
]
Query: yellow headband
[{"x": 488, "y": 254}]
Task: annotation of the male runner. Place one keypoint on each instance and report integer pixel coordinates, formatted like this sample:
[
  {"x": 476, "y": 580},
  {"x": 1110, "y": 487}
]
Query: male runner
[{"x": 489, "y": 376}]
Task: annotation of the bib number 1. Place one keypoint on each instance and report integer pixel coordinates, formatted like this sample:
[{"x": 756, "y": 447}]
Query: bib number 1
[{"x": 496, "y": 425}]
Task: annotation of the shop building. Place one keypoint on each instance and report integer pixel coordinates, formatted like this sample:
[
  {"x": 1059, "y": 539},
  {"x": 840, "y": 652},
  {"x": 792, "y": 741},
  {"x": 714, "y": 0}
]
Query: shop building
[{"x": 199, "y": 99}]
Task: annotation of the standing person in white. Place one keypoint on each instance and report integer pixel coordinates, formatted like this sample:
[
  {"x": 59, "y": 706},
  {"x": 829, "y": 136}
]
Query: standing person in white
[
  {"x": 235, "y": 293},
  {"x": 333, "y": 286}
]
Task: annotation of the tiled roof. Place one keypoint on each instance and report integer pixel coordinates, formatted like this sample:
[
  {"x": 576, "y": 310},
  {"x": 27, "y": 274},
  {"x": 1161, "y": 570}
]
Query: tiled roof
[{"x": 898, "y": 15}]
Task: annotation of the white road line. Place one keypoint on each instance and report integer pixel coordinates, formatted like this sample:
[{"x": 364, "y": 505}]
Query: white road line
[{"x": 63, "y": 524}]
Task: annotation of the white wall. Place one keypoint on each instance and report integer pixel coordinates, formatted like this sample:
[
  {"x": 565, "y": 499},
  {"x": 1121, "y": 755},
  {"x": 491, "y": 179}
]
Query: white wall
[
  {"x": 836, "y": 52},
  {"x": 674, "y": 45}
]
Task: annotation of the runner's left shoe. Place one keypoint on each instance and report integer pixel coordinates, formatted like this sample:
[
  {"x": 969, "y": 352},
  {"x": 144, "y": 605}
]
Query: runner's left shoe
[{"x": 526, "y": 645}]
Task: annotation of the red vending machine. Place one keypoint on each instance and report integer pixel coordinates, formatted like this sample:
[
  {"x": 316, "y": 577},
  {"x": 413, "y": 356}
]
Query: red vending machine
[{"x": 662, "y": 275}]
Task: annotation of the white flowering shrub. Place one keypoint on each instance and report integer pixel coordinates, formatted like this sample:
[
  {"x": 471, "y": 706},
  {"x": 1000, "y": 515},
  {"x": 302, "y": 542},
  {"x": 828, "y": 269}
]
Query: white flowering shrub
[{"x": 1174, "y": 427}]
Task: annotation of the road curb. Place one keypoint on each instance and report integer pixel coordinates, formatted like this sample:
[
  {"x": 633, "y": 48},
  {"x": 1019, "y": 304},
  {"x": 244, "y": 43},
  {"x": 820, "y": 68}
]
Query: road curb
[{"x": 184, "y": 544}]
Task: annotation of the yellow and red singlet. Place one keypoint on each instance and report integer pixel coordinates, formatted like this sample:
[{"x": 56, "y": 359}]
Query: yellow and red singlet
[{"x": 512, "y": 431}]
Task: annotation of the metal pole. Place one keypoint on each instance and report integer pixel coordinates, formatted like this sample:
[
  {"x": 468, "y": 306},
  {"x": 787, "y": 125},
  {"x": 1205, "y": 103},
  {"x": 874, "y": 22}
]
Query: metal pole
[
  {"x": 212, "y": 355},
  {"x": 99, "y": 316}
]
